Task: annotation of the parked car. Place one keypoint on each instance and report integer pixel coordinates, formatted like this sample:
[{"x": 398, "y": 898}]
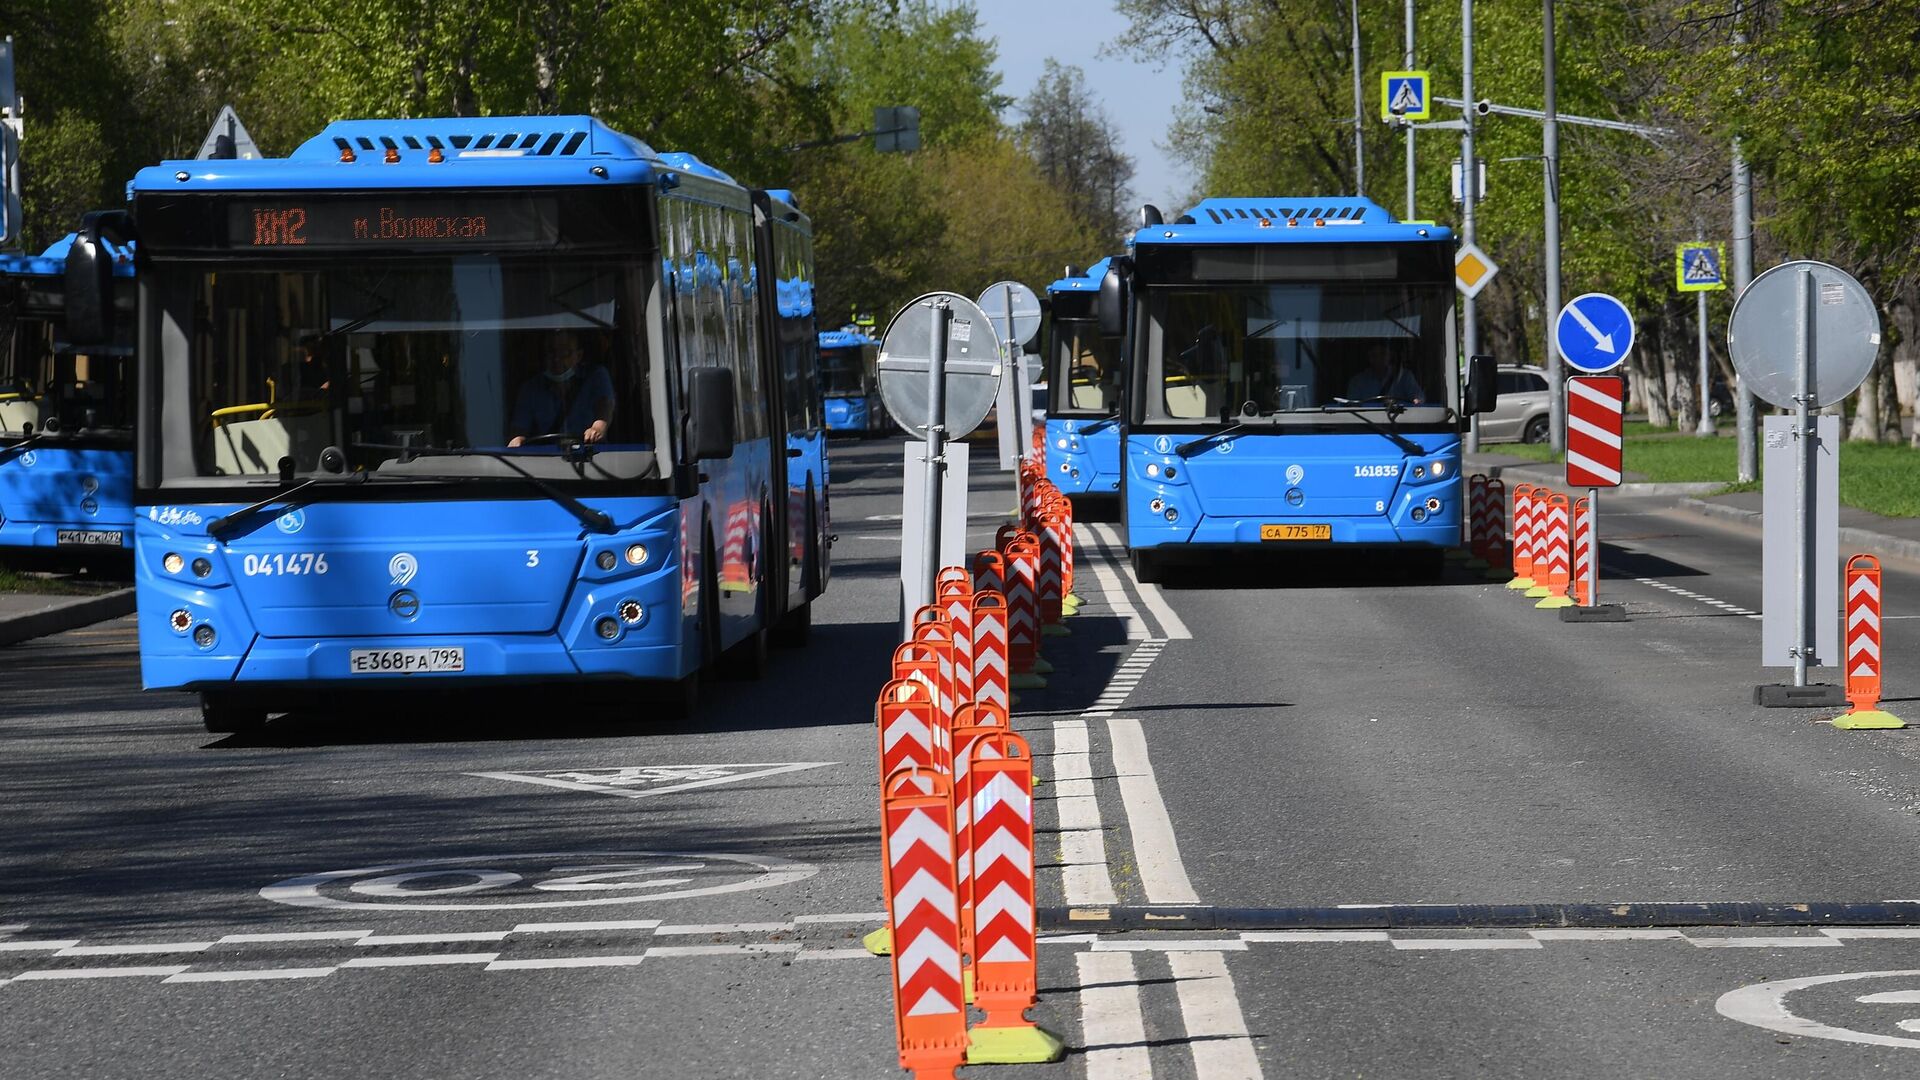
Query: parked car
[{"x": 1521, "y": 415}]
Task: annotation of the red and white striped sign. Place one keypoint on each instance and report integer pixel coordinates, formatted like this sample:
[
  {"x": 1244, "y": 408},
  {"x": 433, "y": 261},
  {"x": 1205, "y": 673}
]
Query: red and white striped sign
[
  {"x": 1001, "y": 835},
  {"x": 1863, "y": 632},
  {"x": 924, "y": 915},
  {"x": 1595, "y": 405}
]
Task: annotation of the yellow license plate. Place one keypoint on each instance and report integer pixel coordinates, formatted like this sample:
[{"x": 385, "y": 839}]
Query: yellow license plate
[{"x": 1296, "y": 532}]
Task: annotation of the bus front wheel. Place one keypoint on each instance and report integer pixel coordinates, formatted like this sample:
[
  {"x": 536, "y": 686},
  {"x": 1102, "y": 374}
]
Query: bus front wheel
[
  {"x": 1147, "y": 567},
  {"x": 222, "y": 716}
]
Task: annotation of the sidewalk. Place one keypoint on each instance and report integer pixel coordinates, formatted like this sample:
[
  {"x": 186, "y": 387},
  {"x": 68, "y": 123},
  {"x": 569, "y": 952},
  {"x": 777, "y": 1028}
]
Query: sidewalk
[
  {"x": 1518, "y": 470},
  {"x": 24, "y": 616}
]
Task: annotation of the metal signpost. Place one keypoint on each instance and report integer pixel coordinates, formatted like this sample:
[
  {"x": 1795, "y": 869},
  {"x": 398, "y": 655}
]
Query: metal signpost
[
  {"x": 939, "y": 371},
  {"x": 1697, "y": 269},
  {"x": 1834, "y": 330},
  {"x": 1015, "y": 312},
  {"x": 1594, "y": 334}
]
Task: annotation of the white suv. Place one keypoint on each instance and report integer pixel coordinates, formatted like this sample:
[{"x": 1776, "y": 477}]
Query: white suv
[{"x": 1521, "y": 415}]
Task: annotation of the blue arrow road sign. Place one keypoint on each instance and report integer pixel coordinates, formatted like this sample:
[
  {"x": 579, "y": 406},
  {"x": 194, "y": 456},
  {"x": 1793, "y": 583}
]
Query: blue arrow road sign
[{"x": 1594, "y": 332}]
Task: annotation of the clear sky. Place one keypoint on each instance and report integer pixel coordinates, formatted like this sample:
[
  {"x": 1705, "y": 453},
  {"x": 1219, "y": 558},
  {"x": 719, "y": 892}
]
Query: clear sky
[{"x": 1138, "y": 97}]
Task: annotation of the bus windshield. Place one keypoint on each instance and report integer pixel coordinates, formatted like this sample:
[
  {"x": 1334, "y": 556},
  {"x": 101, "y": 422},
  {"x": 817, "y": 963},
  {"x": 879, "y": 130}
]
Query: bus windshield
[
  {"x": 440, "y": 355},
  {"x": 1285, "y": 353},
  {"x": 843, "y": 372},
  {"x": 56, "y": 390},
  {"x": 1087, "y": 366}
]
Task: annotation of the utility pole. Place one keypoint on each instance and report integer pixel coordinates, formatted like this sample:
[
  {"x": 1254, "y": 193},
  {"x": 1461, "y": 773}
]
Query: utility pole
[
  {"x": 1359, "y": 111},
  {"x": 1469, "y": 184},
  {"x": 1748, "y": 447},
  {"x": 1407, "y": 64},
  {"x": 1550, "y": 150}
]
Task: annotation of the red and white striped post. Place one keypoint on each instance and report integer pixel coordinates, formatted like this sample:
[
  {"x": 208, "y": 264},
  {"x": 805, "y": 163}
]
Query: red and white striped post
[
  {"x": 1522, "y": 537},
  {"x": 1582, "y": 550},
  {"x": 923, "y": 914},
  {"x": 956, "y": 600},
  {"x": 1863, "y": 651},
  {"x": 1558, "y": 537},
  {"x": 1497, "y": 561},
  {"x": 992, "y": 671},
  {"x": 1003, "y": 922},
  {"x": 1477, "y": 523}
]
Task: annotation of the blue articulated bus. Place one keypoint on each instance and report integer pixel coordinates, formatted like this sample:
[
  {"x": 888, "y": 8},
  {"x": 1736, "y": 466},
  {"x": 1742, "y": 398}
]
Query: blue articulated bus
[
  {"x": 447, "y": 402},
  {"x": 1083, "y": 388},
  {"x": 1291, "y": 381},
  {"x": 850, "y": 380},
  {"x": 66, "y": 419}
]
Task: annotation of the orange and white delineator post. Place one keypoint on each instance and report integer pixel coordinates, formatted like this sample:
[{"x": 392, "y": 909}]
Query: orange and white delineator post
[
  {"x": 956, "y": 599},
  {"x": 1522, "y": 545},
  {"x": 990, "y": 572},
  {"x": 908, "y": 730},
  {"x": 972, "y": 723},
  {"x": 1498, "y": 563},
  {"x": 1538, "y": 502},
  {"x": 992, "y": 668},
  {"x": 1557, "y": 541},
  {"x": 917, "y": 661},
  {"x": 1582, "y": 549},
  {"x": 1023, "y": 610},
  {"x": 923, "y": 914},
  {"x": 1005, "y": 959},
  {"x": 1863, "y": 651},
  {"x": 1477, "y": 522},
  {"x": 1050, "y": 586},
  {"x": 939, "y": 634}
]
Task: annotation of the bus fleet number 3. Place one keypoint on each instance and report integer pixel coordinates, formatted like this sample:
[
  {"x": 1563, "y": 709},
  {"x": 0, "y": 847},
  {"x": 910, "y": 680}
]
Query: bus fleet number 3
[{"x": 284, "y": 562}]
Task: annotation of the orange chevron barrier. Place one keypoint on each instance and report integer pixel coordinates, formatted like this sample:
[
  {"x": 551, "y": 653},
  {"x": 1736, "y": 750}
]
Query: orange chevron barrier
[
  {"x": 1003, "y": 920},
  {"x": 1499, "y": 564},
  {"x": 990, "y": 572},
  {"x": 1582, "y": 549},
  {"x": 1557, "y": 540},
  {"x": 974, "y": 722},
  {"x": 956, "y": 599},
  {"x": 1863, "y": 650},
  {"x": 992, "y": 669},
  {"x": 1521, "y": 546},
  {"x": 923, "y": 913},
  {"x": 1023, "y": 611}
]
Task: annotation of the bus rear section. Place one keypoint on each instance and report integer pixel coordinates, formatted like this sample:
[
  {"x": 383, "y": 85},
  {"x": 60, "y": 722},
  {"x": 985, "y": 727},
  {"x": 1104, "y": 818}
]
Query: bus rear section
[
  {"x": 455, "y": 419},
  {"x": 1292, "y": 383},
  {"x": 850, "y": 384},
  {"x": 1083, "y": 389},
  {"x": 66, "y": 420}
]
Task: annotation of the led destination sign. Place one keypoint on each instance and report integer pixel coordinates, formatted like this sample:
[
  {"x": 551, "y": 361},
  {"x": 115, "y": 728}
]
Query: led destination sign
[{"x": 516, "y": 221}]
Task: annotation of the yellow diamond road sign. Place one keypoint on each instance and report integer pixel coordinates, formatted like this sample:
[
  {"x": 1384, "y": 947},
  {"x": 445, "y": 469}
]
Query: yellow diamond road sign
[{"x": 1472, "y": 269}]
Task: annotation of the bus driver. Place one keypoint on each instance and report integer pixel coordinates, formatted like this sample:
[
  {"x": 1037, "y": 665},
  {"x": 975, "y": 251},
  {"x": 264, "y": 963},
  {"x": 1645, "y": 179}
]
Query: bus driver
[{"x": 564, "y": 397}]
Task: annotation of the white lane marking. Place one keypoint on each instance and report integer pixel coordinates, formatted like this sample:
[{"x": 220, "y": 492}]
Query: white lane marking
[
  {"x": 1177, "y": 945},
  {"x": 1216, "y": 1029},
  {"x": 1731, "y": 609},
  {"x": 36, "y": 946},
  {"x": 1170, "y": 624},
  {"x": 303, "y": 935},
  {"x": 1110, "y": 585},
  {"x": 1311, "y": 937},
  {"x": 832, "y": 954},
  {"x": 1465, "y": 943},
  {"x": 1764, "y": 942},
  {"x": 546, "y": 963},
  {"x": 581, "y": 927},
  {"x": 12, "y": 928},
  {"x": 249, "y": 976},
  {"x": 1086, "y": 878},
  {"x": 136, "y": 950},
  {"x": 1764, "y": 1005},
  {"x": 1606, "y": 934},
  {"x": 1871, "y": 931},
  {"x": 696, "y": 929},
  {"x": 1083, "y": 865},
  {"x": 742, "y": 949},
  {"x": 428, "y": 960},
  {"x": 433, "y": 939},
  {"x": 1156, "y": 851},
  {"x": 629, "y": 781},
  {"x": 99, "y": 973},
  {"x": 841, "y": 917},
  {"x": 1112, "y": 1029}
]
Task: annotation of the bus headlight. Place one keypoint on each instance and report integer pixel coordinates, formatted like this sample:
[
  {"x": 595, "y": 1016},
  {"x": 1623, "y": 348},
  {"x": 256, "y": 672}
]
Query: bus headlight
[
  {"x": 607, "y": 628},
  {"x": 180, "y": 620},
  {"x": 1172, "y": 514},
  {"x": 1153, "y": 470},
  {"x": 631, "y": 612},
  {"x": 1419, "y": 513},
  {"x": 1157, "y": 505},
  {"x": 606, "y": 560},
  {"x": 201, "y": 568},
  {"x": 1419, "y": 472},
  {"x": 203, "y": 635},
  {"x": 173, "y": 562},
  {"x": 1433, "y": 506},
  {"x": 1439, "y": 469},
  {"x": 636, "y": 554}
]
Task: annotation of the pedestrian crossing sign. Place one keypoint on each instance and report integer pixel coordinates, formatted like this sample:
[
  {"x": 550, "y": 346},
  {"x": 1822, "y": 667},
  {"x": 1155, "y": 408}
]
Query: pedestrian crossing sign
[
  {"x": 1403, "y": 95},
  {"x": 1697, "y": 267}
]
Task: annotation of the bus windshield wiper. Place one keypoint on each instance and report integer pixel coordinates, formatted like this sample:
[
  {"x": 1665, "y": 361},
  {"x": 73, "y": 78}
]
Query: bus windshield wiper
[
  {"x": 1393, "y": 408},
  {"x": 1189, "y": 449},
  {"x": 593, "y": 519},
  {"x": 222, "y": 527}
]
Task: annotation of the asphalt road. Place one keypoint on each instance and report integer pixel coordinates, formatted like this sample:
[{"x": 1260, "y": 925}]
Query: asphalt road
[{"x": 472, "y": 887}]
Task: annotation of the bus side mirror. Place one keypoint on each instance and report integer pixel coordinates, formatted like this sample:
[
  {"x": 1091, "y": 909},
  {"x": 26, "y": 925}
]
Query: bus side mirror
[
  {"x": 1483, "y": 384},
  {"x": 1111, "y": 304},
  {"x": 710, "y": 414},
  {"x": 89, "y": 276}
]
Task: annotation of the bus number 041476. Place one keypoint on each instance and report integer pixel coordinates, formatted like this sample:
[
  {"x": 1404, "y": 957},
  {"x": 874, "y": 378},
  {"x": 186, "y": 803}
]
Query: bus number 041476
[{"x": 284, "y": 562}]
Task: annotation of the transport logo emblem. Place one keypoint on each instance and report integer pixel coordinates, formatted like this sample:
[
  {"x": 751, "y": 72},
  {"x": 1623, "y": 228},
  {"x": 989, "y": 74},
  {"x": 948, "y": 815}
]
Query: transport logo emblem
[
  {"x": 27, "y": 459},
  {"x": 292, "y": 521},
  {"x": 402, "y": 567},
  {"x": 404, "y": 604},
  {"x": 1295, "y": 474},
  {"x": 1163, "y": 445}
]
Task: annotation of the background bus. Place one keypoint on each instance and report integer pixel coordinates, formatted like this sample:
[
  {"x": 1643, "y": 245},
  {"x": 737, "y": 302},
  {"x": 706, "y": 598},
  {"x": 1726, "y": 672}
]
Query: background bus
[
  {"x": 469, "y": 401},
  {"x": 66, "y": 419},
  {"x": 1291, "y": 381},
  {"x": 1083, "y": 388},
  {"x": 850, "y": 380}
]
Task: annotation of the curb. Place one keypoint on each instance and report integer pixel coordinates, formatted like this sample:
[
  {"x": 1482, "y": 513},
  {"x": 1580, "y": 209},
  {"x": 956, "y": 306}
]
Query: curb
[
  {"x": 66, "y": 616},
  {"x": 1898, "y": 547},
  {"x": 1553, "y": 479}
]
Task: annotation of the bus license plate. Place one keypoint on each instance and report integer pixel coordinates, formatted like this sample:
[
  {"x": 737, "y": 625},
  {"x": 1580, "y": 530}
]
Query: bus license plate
[
  {"x": 1296, "y": 532},
  {"x": 89, "y": 538},
  {"x": 405, "y": 661}
]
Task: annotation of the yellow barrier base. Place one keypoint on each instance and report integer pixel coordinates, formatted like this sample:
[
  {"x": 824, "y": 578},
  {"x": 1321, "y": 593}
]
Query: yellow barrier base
[
  {"x": 1026, "y": 681},
  {"x": 1041, "y": 667},
  {"x": 966, "y": 984},
  {"x": 1867, "y": 720},
  {"x": 1013, "y": 1046},
  {"x": 1497, "y": 573},
  {"x": 1520, "y": 583},
  {"x": 1071, "y": 600},
  {"x": 1555, "y": 601},
  {"x": 1537, "y": 592},
  {"x": 1055, "y": 630},
  {"x": 880, "y": 942}
]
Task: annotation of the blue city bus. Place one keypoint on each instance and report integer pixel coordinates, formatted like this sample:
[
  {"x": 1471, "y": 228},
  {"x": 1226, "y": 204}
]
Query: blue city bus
[
  {"x": 1083, "y": 388},
  {"x": 1291, "y": 382},
  {"x": 66, "y": 420},
  {"x": 436, "y": 403},
  {"x": 850, "y": 380}
]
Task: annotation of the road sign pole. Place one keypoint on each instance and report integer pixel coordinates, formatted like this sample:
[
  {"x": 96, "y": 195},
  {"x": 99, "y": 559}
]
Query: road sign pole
[
  {"x": 1469, "y": 325},
  {"x": 1705, "y": 426},
  {"x": 1022, "y": 440},
  {"x": 1803, "y": 553},
  {"x": 1550, "y": 152},
  {"x": 1408, "y": 58},
  {"x": 1593, "y": 547},
  {"x": 936, "y": 434},
  {"x": 1749, "y": 446},
  {"x": 1359, "y": 109}
]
